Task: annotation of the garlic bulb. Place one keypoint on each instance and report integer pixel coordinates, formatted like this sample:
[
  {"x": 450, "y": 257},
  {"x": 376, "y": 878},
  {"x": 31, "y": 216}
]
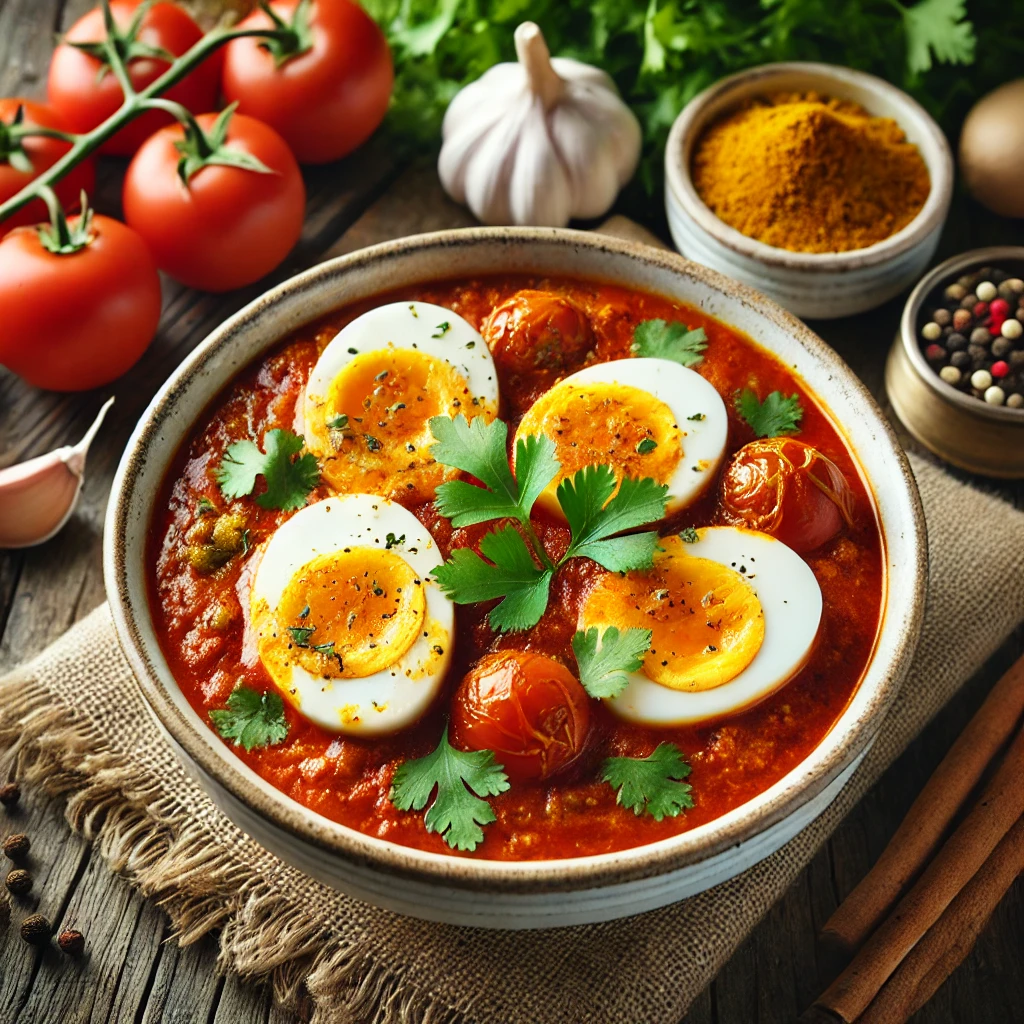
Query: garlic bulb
[
  {"x": 37, "y": 497},
  {"x": 538, "y": 142}
]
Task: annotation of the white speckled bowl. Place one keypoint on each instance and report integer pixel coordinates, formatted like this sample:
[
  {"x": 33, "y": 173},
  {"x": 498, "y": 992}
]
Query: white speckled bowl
[
  {"x": 821, "y": 285},
  {"x": 469, "y": 890}
]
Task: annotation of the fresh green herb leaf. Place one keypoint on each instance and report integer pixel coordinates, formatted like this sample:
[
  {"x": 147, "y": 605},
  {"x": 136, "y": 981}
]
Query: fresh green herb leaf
[
  {"x": 594, "y": 515},
  {"x": 252, "y": 719},
  {"x": 652, "y": 784},
  {"x": 391, "y": 541},
  {"x": 289, "y": 480},
  {"x": 300, "y": 634},
  {"x": 689, "y": 535},
  {"x": 514, "y": 576},
  {"x": 339, "y": 422},
  {"x": 461, "y": 780},
  {"x": 646, "y": 445},
  {"x": 661, "y": 340},
  {"x": 328, "y": 651},
  {"x": 937, "y": 27},
  {"x": 442, "y": 329},
  {"x": 245, "y": 542},
  {"x": 372, "y": 443},
  {"x": 604, "y": 659},
  {"x": 697, "y": 417},
  {"x": 774, "y": 417},
  {"x": 204, "y": 506}
]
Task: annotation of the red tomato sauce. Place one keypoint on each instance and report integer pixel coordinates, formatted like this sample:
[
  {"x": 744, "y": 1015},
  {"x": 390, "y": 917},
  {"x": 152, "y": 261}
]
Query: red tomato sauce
[{"x": 199, "y": 617}]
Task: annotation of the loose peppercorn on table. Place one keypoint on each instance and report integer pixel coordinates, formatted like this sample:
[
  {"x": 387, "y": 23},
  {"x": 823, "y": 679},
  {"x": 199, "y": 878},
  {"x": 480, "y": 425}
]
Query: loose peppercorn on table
[{"x": 129, "y": 972}]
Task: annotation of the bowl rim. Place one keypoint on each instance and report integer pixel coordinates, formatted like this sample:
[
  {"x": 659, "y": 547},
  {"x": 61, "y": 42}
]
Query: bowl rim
[
  {"x": 908, "y": 332},
  {"x": 850, "y": 737},
  {"x": 930, "y": 217}
]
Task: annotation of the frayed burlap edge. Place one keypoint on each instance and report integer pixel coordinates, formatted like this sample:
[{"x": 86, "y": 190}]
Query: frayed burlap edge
[{"x": 202, "y": 889}]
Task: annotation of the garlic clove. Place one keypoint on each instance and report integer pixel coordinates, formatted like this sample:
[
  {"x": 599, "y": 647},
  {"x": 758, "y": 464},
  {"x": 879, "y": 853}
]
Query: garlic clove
[{"x": 37, "y": 497}]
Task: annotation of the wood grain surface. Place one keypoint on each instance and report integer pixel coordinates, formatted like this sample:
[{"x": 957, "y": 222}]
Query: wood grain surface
[{"x": 134, "y": 970}]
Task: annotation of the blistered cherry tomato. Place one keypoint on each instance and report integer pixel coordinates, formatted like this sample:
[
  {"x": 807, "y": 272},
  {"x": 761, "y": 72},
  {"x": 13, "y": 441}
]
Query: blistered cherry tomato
[
  {"x": 230, "y": 225},
  {"x": 536, "y": 330},
  {"x": 78, "y": 320},
  {"x": 41, "y": 152},
  {"x": 788, "y": 489},
  {"x": 326, "y": 100},
  {"x": 85, "y": 95},
  {"x": 529, "y": 709}
]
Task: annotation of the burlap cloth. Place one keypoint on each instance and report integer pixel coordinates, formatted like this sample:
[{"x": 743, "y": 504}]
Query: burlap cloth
[{"x": 73, "y": 721}]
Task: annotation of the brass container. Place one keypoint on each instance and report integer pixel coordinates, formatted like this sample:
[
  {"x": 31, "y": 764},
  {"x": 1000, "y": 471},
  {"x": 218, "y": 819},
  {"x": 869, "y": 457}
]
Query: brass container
[{"x": 966, "y": 432}]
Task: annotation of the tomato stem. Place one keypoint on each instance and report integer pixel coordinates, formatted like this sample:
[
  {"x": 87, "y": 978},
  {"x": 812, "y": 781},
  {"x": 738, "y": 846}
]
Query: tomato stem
[
  {"x": 58, "y": 236},
  {"x": 135, "y": 103}
]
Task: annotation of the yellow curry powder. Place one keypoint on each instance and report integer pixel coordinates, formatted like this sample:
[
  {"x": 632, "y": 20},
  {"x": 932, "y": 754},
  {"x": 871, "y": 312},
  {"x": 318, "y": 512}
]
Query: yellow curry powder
[{"x": 810, "y": 174}]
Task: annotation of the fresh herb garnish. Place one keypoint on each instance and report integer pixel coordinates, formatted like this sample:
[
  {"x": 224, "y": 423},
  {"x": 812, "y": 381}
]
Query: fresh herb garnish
[
  {"x": 605, "y": 658},
  {"x": 252, "y": 719},
  {"x": 205, "y": 506},
  {"x": 328, "y": 651},
  {"x": 697, "y": 417},
  {"x": 372, "y": 443},
  {"x": 651, "y": 784},
  {"x": 442, "y": 329},
  {"x": 646, "y": 446},
  {"x": 245, "y": 542},
  {"x": 659, "y": 339},
  {"x": 689, "y": 535},
  {"x": 339, "y": 422},
  {"x": 289, "y": 480},
  {"x": 300, "y": 634},
  {"x": 391, "y": 541},
  {"x": 774, "y": 417},
  {"x": 461, "y": 779}
]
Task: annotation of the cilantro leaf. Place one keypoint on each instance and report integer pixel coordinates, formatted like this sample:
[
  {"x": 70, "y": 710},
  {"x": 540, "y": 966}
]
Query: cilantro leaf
[
  {"x": 301, "y": 634},
  {"x": 461, "y": 779},
  {"x": 288, "y": 482},
  {"x": 774, "y": 417},
  {"x": 252, "y": 719},
  {"x": 937, "y": 27},
  {"x": 593, "y": 515},
  {"x": 514, "y": 576},
  {"x": 604, "y": 659},
  {"x": 652, "y": 784},
  {"x": 659, "y": 339}
]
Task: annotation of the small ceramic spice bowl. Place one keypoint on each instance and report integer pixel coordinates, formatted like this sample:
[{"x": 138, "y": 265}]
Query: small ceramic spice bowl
[
  {"x": 810, "y": 284},
  {"x": 958, "y": 386}
]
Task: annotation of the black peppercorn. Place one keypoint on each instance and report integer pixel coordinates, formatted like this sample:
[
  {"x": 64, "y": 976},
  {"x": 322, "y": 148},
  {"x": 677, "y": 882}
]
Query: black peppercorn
[
  {"x": 71, "y": 942},
  {"x": 1000, "y": 347},
  {"x": 956, "y": 342},
  {"x": 1016, "y": 359},
  {"x": 19, "y": 882},
  {"x": 980, "y": 336},
  {"x": 977, "y": 353},
  {"x": 961, "y": 360},
  {"x": 36, "y": 930},
  {"x": 10, "y": 794},
  {"x": 17, "y": 846}
]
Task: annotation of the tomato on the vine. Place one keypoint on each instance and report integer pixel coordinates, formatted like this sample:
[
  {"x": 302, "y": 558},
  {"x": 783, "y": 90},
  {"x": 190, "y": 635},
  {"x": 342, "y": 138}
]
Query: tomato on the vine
[
  {"x": 219, "y": 211},
  {"x": 22, "y": 159},
  {"x": 79, "y": 303},
  {"x": 85, "y": 92},
  {"x": 324, "y": 87}
]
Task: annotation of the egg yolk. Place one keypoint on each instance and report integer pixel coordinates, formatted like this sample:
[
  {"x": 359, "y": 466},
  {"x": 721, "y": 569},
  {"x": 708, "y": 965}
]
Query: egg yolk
[
  {"x": 706, "y": 622},
  {"x": 372, "y": 426},
  {"x": 344, "y": 615},
  {"x": 624, "y": 427}
]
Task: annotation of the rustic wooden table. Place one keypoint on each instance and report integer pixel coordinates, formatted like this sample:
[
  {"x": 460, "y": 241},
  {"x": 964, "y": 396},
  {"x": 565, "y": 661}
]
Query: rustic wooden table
[{"x": 132, "y": 973}]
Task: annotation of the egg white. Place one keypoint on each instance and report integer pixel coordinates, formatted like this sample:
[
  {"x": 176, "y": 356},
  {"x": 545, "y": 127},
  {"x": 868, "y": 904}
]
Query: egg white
[
  {"x": 394, "y": 697},
  {"x": 791, "y": 600}
]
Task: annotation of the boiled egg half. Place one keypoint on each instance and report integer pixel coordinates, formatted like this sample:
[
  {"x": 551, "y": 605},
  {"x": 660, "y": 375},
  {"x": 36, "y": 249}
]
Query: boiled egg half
[
  {"x": 375, "y": 387},
  {"x": 643, "y": 417},
  {"x": 350, "y": 627},
  {"x": 733, "y": 616}
]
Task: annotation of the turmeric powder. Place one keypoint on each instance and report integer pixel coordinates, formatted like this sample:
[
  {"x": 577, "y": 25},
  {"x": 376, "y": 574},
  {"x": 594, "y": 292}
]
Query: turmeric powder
[{"x": 810, "y": 174}]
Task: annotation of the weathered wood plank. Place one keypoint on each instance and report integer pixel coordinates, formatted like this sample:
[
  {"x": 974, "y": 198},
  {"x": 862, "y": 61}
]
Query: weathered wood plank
[
  {"x": 27, "y": 29},
  {"x": 185, "y": 988}
]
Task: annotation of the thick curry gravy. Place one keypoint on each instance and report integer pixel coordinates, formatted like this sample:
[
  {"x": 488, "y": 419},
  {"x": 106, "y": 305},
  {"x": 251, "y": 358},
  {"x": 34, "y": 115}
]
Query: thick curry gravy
[{"x": 199, "y": 617}]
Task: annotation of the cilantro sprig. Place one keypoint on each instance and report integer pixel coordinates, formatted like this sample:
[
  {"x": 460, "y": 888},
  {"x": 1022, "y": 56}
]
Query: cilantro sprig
[
  {"x": 651, "y": 785},
  {"x": 605, "y": 658},
  {"x": 252, "y": 719},
  {"x": 461, "y": 780},
  {"x": 776, "y": 416},
  {"x": 509, "y": 569},
  {"x": 659, "y": 339},
  {"x": 289, "y": 479}
]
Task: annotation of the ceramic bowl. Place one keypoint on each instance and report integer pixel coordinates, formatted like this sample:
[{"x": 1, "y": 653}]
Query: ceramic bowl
[
  {"x": 821, "y": 285},
  {"x": 467, "y": 890},
  {"x": 961, "y": 429}
]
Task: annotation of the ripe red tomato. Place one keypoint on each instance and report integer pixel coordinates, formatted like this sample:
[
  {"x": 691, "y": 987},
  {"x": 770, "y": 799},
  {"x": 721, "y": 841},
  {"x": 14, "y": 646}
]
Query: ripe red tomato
[
  {"x": 73, "y": 322},
  {"x": 529, "y": 709},
  {"x": 535, "y": 330},
  {"x": 42, "y": 153},
  {"x": 786, "y": 488},
  {"x": 324, "y": 102},
  {"x": 84, "y": 95},
  {"x": 230, "y": 225}
]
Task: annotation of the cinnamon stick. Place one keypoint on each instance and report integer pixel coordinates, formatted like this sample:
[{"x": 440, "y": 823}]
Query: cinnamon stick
[
  {"x": 918, "y": 837},
  {"x": 946, "y": 944},
  {"x": 1001, "y": 804}
]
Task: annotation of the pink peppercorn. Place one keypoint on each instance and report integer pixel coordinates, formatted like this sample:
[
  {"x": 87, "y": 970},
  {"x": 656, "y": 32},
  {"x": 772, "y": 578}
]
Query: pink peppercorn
[
  {"x": 1000, "y": 369},
  {"x": 1000, "y": 307},
  {"x": 935, "y": 354},
  {"x": 980, "y": 308}
]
